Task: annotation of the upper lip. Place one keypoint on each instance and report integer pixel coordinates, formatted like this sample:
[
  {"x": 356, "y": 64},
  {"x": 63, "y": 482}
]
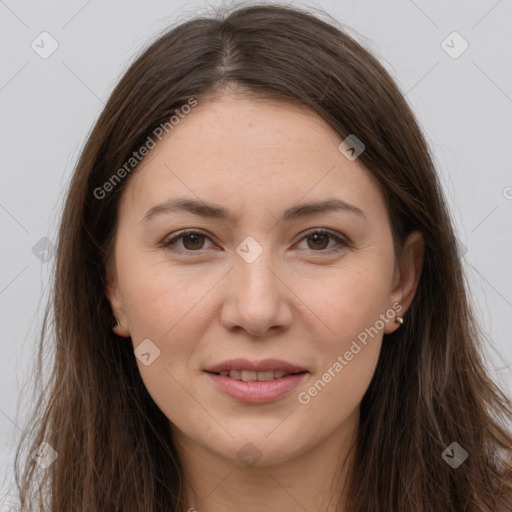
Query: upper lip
[{"x": 255, "y": 366}]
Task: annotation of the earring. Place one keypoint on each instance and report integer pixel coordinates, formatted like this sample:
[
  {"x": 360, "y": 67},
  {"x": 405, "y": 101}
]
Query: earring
[
  {"x": 120, "y": 330},
  {"x": 400, "y": 320}
]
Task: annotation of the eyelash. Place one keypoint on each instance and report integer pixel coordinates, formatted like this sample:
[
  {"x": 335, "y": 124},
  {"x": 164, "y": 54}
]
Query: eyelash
[{"x": 169, "y": 243}]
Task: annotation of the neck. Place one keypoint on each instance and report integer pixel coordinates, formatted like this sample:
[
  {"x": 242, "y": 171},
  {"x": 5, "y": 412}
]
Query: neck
[{"x": 312, "y": 480}]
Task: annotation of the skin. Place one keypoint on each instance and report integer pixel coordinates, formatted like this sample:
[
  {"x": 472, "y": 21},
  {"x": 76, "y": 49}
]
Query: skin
[{"x": 295, "y": 302}]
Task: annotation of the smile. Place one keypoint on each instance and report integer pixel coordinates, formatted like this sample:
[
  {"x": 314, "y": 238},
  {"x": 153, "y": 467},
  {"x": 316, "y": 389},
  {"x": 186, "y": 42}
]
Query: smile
[
  {"x": 250, "y": 376},
  {"x": 255, "y": 387}
]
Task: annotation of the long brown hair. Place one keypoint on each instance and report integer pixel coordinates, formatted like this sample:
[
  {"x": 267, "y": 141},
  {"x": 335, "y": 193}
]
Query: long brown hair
[{"x": 430, "y": 387}]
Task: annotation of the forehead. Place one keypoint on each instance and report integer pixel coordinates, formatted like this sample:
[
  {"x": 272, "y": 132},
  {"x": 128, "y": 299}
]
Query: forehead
[{"x": 249, "y": 152}]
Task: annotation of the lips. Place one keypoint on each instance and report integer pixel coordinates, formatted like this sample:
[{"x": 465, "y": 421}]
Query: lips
[
  {"x": 250, "y": 376},
  {"x": 256, "y": 392},
  {"x": 256, "y": 381},
  {"x": 264, "y": 366}
]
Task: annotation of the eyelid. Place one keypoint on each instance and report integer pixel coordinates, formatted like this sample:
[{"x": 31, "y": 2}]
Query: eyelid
[
  {"x": 167, "y": 242},
  {"x": 334, "y": 234},
  {"x": 341, "y": 239}
]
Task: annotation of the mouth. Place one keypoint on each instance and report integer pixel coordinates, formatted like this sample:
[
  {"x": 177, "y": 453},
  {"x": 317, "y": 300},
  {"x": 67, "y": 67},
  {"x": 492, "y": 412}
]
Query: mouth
[
  {"x": 245, "y": 369},
  {"x": 252, "y": 376},
  {"x": 256, "y": 381}
]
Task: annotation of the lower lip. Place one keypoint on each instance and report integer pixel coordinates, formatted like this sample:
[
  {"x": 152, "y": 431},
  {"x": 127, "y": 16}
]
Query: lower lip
[{"x": 257, "y": 391}]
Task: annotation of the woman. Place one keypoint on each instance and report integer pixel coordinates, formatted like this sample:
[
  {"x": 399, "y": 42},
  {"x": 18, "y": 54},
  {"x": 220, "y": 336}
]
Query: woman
[{"x": 257, "y": 212}]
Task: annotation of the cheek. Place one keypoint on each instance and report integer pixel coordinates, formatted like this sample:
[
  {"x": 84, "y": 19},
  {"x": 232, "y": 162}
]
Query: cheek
[
  {"x": 174, "y": 302},
  {"x": 160, "y": 299},
  {"x": 348, "y": 299},
  {"x": 334, "y": 394},
  {"x": 349, "y": 303},
  {"x": 169, "y": 308}
]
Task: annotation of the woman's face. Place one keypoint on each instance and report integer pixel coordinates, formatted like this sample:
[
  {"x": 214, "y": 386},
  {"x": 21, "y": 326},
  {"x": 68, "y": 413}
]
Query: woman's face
[{"x": 258, "y": 279}]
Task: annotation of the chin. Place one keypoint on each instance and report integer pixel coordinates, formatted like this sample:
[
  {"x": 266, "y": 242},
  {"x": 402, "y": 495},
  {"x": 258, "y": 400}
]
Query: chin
[{"x": 258, "y": 450}]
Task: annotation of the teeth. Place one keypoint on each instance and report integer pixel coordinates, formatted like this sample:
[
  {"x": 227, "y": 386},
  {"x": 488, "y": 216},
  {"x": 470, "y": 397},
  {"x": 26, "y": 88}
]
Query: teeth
[
  {"x": 247, "y": 375},
  {"x": 235, "y": 374},
  {"x": 265, "y": 375},
  {"x": 250, "y": 376}
]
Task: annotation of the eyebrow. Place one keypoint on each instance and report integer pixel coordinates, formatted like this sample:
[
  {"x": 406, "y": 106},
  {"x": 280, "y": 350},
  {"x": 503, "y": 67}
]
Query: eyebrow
[{"x": 216, "y": 211}]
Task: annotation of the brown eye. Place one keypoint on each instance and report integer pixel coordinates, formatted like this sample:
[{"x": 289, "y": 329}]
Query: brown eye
[
  {"x": 317, "y": 241},
  {"x": 190, "y": 241},
  {"x": 320, "y": 240},
  {"x": 193, "y": 242}
]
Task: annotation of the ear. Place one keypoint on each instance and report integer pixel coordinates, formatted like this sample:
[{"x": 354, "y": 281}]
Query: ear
[
  {"x": 114, "y": 297},
  {"x": 407, "y": 276}
]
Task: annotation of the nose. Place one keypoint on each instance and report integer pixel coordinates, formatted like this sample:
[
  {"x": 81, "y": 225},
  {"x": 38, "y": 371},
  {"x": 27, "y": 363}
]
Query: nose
[{"x": 257, "y": 297}]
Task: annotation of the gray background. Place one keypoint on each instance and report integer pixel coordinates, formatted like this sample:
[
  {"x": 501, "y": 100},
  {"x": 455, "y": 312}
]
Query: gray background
[{"x": 48, "y": 106}]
